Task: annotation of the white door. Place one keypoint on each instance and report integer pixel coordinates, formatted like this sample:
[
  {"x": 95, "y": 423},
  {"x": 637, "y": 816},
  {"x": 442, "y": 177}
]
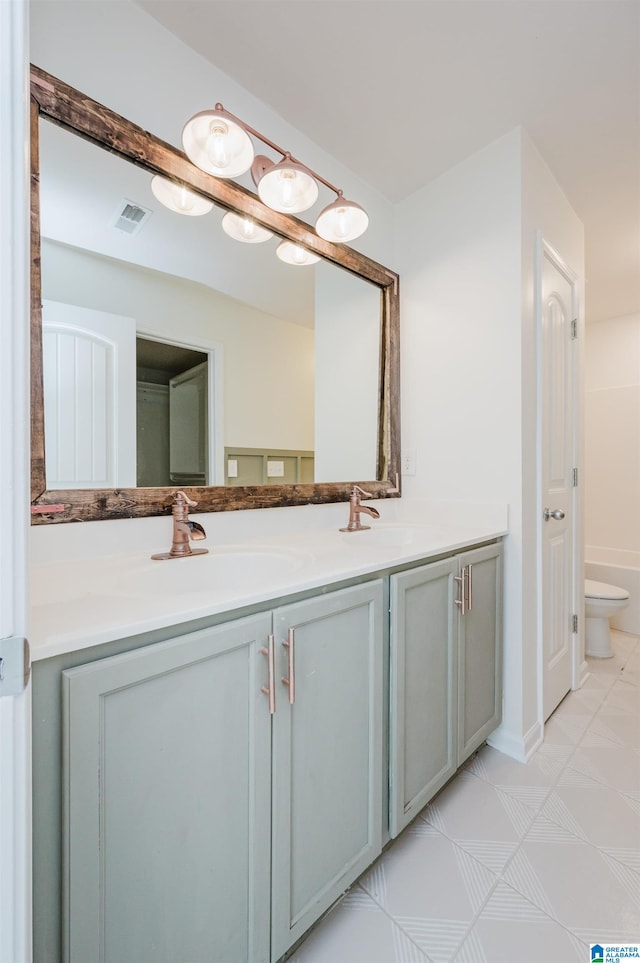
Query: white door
[
  {"x": 558, "y": 309},
  {"x": 188, "y": 434},
  {"x": 89, "y": 367}
]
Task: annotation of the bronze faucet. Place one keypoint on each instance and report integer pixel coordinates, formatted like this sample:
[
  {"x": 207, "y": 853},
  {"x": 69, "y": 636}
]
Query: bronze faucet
[
  {"x": 355, "y": 508},
  {"x": 183, "y": 530}
]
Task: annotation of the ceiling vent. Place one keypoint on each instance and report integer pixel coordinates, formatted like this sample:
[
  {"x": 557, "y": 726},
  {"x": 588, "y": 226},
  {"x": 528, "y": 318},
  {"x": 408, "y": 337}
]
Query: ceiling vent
[{"x": 130, "y": 217}]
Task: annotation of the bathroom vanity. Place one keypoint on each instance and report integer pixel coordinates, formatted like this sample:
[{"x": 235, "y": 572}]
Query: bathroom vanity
[
  {"x": 222, "y": 744},
  {"x": 208, "y": 787}
]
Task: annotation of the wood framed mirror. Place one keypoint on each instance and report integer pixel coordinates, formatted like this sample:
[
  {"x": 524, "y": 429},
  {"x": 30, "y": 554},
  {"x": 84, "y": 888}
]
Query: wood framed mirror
[{"x": 73, "y": 112}]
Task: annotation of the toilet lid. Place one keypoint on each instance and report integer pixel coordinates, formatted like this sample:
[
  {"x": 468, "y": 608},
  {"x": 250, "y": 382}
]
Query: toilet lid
[{"x": 600, "y": 590}]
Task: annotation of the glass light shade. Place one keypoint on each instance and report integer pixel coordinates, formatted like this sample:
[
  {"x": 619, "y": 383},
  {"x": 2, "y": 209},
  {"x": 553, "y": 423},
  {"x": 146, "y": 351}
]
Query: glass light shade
[
  {"x": 178, "y": 198},
  {"x": 287, "y": 187},
  {"x": 294, "y": 254},
  {"x": 217, "y": 144},
  {"x": 244, "y": 229},
  {"x": 342, "y": 221}
]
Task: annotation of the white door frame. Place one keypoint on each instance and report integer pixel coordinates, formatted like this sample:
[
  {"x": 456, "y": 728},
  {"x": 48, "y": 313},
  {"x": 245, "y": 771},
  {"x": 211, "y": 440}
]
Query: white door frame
[
  {"x": 578, "y": 665},
  {"x": 215, "y": 396},
  {"x": 15, "y": 711}
]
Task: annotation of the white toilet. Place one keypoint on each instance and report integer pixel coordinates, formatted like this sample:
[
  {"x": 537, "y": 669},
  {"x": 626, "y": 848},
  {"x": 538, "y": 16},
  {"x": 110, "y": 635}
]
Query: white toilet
[{"x": 601, "y": 602}]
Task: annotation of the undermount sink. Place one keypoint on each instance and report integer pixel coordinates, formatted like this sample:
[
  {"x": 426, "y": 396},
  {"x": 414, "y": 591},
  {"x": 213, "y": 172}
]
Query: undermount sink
[{"x": 227, "y": 566}]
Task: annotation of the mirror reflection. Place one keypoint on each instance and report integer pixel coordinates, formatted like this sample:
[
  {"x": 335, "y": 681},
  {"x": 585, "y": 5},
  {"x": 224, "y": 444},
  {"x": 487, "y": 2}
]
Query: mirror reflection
[
  {"x": 174, "y": 355},
  {"x": 172, "y": 416}
]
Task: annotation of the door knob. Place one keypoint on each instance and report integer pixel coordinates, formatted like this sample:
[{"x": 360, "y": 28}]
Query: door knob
[{"x": 556, "y": 513}]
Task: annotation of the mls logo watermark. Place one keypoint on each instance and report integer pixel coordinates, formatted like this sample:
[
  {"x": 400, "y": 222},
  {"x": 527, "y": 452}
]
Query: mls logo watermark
[{"x": 614, "y": 952}]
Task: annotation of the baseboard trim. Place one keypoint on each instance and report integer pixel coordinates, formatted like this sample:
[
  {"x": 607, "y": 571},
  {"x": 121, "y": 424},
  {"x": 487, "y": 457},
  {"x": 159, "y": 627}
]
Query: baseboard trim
[{"x": 518, "y": 747}]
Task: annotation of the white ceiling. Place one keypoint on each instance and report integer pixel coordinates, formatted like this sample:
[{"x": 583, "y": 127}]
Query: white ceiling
[{"x": 401, "y": 90}]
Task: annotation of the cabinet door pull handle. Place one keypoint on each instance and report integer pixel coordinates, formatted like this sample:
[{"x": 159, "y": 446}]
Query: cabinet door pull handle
[
  {"x": 462, "y": 601},
  {"x": 290, "y": 678},
  {"x": 270, "y": 689},
  {"x": 469, "y": 587}
]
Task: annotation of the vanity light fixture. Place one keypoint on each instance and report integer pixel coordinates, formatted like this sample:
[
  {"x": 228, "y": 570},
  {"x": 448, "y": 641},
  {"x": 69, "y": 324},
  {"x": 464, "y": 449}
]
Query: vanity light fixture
[
  {"x": 342, "y": 220},
  {"x": 287, "y": 187},
  {"x": 179, "y": 198},
  {"x": 218, "y": 142},
  {"x": 295, "y": 254},
  {"x": 244, "y": 229}
]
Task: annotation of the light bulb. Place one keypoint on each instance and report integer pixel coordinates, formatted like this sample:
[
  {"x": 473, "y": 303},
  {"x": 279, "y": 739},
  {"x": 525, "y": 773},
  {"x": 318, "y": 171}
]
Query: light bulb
[
  {"x": 244, "y": 229},
  {"x": 185, "y": 200},
  {"x": 295, "y": 254},
  {"x": 286, "y": 186},
  {"x": 341, "y": 223},
  {"x": 288, "y": 196},
  {"x": 342, "y": 220},
  {"x": 179, "y": 198},
  {"x": 217, "y": 145},
  {"x": 248, "y": 229}
]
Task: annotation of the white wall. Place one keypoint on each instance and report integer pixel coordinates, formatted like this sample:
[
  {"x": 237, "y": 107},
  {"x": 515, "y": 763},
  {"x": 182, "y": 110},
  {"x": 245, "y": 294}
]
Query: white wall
[
  {"x": 466, "y": 255},
  {"x": 265, "y": 360},
  {"x": 459, "y": 256},
  {"x": 612, "y": 434},
  {"x": 347, "y": 346},
  {"x": 458, "y": 251}
]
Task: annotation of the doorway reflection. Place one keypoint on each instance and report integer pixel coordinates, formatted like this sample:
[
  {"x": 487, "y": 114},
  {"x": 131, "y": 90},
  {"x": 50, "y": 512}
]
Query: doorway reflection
[{"x": 171, "y": 415}]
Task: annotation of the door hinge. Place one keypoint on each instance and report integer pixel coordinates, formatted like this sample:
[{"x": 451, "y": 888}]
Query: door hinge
[
  {"x": 574, "y": 624},
  {"x": 15, "y": 666},
  {"x": 574, "y": 329},
  {"x": 575, "y": 477}
]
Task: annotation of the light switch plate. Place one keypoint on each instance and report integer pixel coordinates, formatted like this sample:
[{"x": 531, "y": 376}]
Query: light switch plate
[{"x": 275, "y": 469}]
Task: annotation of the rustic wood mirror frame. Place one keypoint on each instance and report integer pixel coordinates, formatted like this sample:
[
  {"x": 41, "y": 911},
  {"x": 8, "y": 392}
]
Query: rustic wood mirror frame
[{"x": 67, "y": 107}]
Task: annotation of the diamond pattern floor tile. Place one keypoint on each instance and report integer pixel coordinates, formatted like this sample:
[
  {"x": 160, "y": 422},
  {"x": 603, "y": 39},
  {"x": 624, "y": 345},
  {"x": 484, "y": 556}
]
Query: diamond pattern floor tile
[
  {"x": 429, "y": 877},
  {"x": 574, "y": 883},
  {"x": 583, "y": 702},
  {"x": 597, "y": 814},
  {"x": 514, "y": 863},
  {"x": 565, "y": 730},
  {"x": 510, "y": 928},
  {"x": 631, "y": 671},
  {"x": 619, "y": 727},
  {"x": 624, "y": 695},
  {"x": 613, "y": 766},
  {"x": 358, "y": 931},
  {"x": 480, "y": 818},
  {"x": 499, "y": 770}
]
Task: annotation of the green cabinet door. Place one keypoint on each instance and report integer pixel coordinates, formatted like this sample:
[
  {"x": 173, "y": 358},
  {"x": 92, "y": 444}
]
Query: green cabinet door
[
  {"x": 480, "y": 647},
  {"x": 445, "y": 673},
  {"x": 327, "y": 754},
  {"x": 423, "y": 674},
  {"x": 167, "y": 802}
]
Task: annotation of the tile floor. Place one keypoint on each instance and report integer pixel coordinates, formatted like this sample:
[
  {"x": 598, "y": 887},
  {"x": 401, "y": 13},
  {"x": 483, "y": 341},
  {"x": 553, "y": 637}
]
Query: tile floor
[{"x": 511, "y": 862}]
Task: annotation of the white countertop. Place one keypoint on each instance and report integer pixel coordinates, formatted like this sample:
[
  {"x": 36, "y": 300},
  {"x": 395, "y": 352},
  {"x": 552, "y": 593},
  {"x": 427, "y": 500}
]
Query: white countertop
[{"x": 83, "y": 602}]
